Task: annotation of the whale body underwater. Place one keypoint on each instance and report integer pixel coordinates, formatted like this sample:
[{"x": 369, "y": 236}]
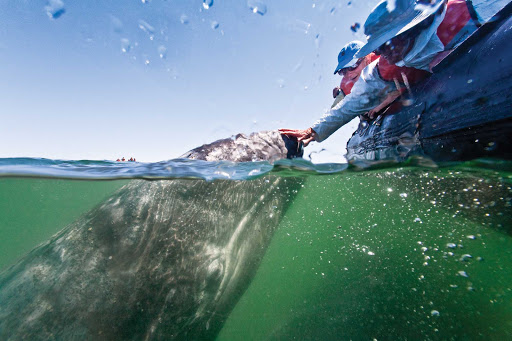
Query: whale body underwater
[{"x": 166, "y": 259}]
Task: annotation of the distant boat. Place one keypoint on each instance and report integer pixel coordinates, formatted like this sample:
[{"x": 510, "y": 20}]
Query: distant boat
[{"x": 462, "y": 112}]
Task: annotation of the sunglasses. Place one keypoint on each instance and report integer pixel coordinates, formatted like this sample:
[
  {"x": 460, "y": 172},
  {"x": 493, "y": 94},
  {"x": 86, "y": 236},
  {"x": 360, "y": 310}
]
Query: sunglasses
[{"x": 350, "y": 69}]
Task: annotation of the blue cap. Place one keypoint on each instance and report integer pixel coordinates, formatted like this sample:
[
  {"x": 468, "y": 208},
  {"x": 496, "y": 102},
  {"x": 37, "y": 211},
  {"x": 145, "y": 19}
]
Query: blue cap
[
  {"x": 346, "y": 57},
  {"x": 393, "y": 17}
]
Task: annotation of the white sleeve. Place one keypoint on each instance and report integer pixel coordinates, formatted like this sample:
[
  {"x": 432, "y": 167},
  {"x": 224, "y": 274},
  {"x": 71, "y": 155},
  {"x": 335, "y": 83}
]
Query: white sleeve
[{"x": 368, "y": 92}]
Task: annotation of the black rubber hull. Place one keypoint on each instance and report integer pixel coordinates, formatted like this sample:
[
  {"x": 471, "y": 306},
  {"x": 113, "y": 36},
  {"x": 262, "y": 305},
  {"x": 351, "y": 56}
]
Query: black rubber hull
[{"x": 463, "y": 111}]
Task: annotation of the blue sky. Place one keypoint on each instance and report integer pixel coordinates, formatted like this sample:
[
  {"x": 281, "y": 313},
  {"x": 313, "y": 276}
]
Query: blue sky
[{"x": 91, "y": 84}]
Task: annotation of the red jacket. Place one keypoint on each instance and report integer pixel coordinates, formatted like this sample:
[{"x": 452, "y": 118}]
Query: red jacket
[{"x": 347, "y": 84}]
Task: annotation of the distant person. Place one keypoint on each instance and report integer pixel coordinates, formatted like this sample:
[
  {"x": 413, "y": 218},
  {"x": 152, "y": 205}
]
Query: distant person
[
  {"x": 118, "y": 160},
  {"x": 123, "y": 159}
]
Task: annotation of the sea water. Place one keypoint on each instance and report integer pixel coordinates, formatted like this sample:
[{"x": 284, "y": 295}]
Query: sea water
[{"x": 370, "y": 252}]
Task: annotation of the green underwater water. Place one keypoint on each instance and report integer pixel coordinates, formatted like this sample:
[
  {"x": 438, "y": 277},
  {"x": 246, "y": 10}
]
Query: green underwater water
[
  {"x": 32, "y": 210},
  {"x": 386, "y": 254}
]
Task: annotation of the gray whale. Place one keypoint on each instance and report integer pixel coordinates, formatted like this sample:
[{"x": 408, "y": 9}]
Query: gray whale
[{"x": 165, "y": 259}]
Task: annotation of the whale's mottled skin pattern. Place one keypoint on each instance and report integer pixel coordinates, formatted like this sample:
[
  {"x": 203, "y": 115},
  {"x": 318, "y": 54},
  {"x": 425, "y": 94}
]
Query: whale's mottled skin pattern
[
  {"x": 158, "y": 260},
  {"x": 266, "y": 145}
]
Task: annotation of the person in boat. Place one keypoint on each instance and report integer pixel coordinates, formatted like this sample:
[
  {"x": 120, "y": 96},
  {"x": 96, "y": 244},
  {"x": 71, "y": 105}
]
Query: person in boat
[
  {"x": 349, "y": 68},
  {"x": 411, "y": 36}
]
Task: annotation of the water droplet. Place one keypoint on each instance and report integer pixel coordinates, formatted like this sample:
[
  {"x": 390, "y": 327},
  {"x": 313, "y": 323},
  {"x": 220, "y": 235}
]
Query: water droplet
[
  {"x": 471, "y": 237},
  {"x": 215, "y": 25},
  {"x": 184, "y": 19},
  {"x": 55, "y": 9},
  {"x": 463, "y": 273},
  {"x": 317, "y": 41},
  {"x": 125, "y": 45},
  {"x": 150, "y": 30},
  {"x": 162, "y": 51},
  {"x": 146, "y": 1},
  {"x": 470, "y": 81},
  {"x": 403, "y": 195},
  {"x": 257, "y": 7},
  {"x": 280, "y": 82},
  {"x": 117, "y": 24},
  {"x": 418, "y": 220},
  {"x": 434, "y": 313},
  {"x": 371, "y": 253},
  {"x": 301, "y": 26},
  {"x": 451, "y": 245},
  {"x": 146, "y": 62},
  {"x": 207, "y": 4},
  {"x": 355, "y": 27}
]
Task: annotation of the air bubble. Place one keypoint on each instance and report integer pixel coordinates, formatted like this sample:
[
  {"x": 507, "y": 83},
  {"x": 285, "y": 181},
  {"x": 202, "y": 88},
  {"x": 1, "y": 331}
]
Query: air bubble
[
  {"x": 465, "y": 258},
  {"x": 434, "y": 313},
  {"x": 257, "y": 7},
  {"x": 463, "y": 273},
  {"x": 451, "y": 245},
  {"x": 207, "y": 4},
  {"x": 55, "y": 9},
  {"x": 214, "y": 25}
]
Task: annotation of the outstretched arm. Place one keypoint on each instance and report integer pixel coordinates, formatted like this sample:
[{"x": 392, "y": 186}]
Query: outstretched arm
[{"x": 304, "y": 135}]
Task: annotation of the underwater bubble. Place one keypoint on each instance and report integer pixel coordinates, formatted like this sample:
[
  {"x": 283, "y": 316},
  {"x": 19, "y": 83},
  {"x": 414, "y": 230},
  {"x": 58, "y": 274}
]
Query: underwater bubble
[
  {"x": 403, "y": 195},
  {"x": 465, "y": 258},
  {"x": 371, "y": 253},
  {"x": 184, "y": 19},
  {"x": 207, "y": 4},
  {"x": 434, "y": 313},
  {"x": 146, "y": 1},
  {"x": 332, "y": 10},
  {"x": 471, "y": 237},
  {"x": 55, "y": 9},
  {"x": 257, "y": 7},
  {"x": 125, "y": 45},
  {"x": 418, "y": 220},
  {"x": 214, "y": 25},
  {"x": 463, "y": 273},
  {"x": 451, "y": 245},
  {"x": 162, "y": 51}
]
